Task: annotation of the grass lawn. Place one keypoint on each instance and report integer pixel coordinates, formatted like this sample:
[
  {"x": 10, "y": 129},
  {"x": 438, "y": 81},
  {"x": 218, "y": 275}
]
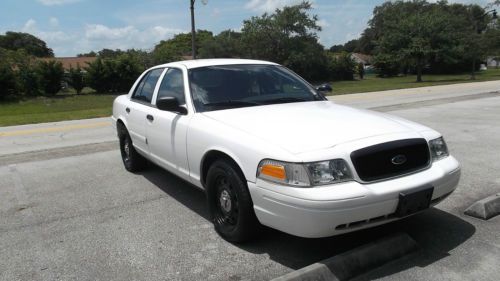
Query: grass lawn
[
  {"x": 58, "y": 108},
  {"x": 373, "y": 83},
  {"x": 71, "y": 107}
]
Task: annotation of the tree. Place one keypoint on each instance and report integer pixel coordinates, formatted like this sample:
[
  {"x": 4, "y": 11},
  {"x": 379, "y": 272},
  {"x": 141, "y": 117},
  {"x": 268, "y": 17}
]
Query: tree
[
  {"x": 7, "y": 80},
  {"x": 50, "y": 75},
  {"x": 361, "y": 70},
  {"x": 414, "y": 32},
  {"x": 113, "y": 75},
  {"x": 28, "y": 80},
  {"x": 89, "y": 54},
  {"x": 336, "y": 48},
  {"x": 341, "y": 66},
  {"x": 476, "y": 43},
  {"x": 96, "y": 76},
  {"x": 127, "y": 68},
  {"x": 19, "y": 40},
  {"x": 288, "y": 36},
  {"x": 351, "y": 46},
  {"x": 180, "y": 45},
  {"x": 226, "y": 44},
  {"x": 76, "y": 79}
]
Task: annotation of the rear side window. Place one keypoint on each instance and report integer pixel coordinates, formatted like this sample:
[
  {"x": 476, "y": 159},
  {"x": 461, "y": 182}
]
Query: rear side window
[
  {"x": 172, "y": 85},
  {"x": 145, "y": 89}
]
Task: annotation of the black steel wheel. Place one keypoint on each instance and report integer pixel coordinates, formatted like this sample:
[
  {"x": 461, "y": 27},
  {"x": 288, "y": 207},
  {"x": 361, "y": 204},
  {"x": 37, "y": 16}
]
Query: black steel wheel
[{"x": 230, "y": 203}]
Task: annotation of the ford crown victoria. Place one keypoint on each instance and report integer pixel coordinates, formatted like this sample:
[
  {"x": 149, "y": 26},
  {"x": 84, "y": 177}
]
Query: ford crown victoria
[{"x": 269, "y": 149}]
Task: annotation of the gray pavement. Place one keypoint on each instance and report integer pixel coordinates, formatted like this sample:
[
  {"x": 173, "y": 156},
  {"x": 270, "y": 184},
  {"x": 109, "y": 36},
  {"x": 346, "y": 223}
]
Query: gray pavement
[
  {"x": 43, "y": 136},
  {"x": 73, "y": 213}
]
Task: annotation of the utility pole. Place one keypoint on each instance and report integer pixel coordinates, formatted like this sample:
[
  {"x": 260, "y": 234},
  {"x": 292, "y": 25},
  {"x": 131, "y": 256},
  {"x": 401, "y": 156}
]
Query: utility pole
[{"x": 193, "y": 32}]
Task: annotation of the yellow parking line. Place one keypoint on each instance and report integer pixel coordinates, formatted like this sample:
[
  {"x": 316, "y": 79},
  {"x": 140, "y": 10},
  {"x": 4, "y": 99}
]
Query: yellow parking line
[{"x": 54, "y": 129}]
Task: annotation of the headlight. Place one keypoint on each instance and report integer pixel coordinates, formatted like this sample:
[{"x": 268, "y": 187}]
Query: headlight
[
  {"x": 304, "y": 175},
  {"x": 438, "y": 148}
]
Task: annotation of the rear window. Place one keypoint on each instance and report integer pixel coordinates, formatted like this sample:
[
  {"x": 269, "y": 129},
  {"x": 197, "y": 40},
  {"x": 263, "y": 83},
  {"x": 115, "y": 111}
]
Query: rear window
[{"x": 145, "y": 89}]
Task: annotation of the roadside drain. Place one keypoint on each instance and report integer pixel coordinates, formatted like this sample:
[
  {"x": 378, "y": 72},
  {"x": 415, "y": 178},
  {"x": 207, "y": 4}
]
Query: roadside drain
[
  {"x": 357, "y": 261},
  {"x": 486, "y": 208}
]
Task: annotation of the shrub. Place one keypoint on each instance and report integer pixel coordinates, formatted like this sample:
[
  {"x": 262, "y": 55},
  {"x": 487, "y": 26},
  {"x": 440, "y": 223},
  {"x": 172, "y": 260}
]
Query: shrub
[
  {"x": 95, "y": 76},
  {"x": 7, "y": 81},
  {"x": 75, "y": 79},
  {"x": 386, "y": 65},
  {"x": 28, "y": 80},
  {"x": 113, "y": 75},
  {"x": 50, "y": 75},
  {"x": 341, "y": 66}
]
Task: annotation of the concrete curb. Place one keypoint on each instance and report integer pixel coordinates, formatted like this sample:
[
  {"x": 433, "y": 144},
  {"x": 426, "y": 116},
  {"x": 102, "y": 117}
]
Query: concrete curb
[
  {"x": 486, "y": 208},
  {"x": 355, "y": 262}
]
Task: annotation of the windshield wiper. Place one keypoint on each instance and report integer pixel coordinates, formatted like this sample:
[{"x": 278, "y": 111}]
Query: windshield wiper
[
  {"x": 235, "y": 103},
  {"x": 285, "y": 100}
]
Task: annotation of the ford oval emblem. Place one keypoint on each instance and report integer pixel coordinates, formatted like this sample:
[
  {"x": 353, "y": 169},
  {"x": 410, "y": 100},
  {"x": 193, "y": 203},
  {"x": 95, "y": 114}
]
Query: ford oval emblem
[{"x": 399, "y": 159}]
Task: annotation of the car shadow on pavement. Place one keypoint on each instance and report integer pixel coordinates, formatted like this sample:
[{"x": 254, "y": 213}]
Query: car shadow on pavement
[{"x": 435, "y": 231}]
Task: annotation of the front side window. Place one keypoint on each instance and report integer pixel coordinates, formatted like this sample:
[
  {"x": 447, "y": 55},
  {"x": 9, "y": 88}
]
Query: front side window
[
  {"x": 172, "y": 85},
  {"x": 230, "y": 86},
  {"x": 145, "y": 89}
]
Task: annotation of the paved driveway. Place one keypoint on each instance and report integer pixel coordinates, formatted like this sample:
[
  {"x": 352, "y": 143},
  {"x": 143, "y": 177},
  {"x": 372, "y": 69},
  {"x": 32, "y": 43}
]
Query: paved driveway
[{"x": 74, "y": 213}]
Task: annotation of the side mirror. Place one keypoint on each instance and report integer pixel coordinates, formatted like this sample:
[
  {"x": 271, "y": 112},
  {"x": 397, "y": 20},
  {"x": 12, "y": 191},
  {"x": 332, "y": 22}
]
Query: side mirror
[
  {"x": 325, "y": 88},
  {"x": 170, "y": 104}
]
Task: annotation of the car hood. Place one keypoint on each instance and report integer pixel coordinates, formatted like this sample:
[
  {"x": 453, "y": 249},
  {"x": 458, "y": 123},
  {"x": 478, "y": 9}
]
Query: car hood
[{"x": 308, "y": 126}]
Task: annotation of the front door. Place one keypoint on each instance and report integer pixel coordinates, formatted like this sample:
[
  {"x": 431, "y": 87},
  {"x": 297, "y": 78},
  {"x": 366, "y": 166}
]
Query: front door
[{"x": 167, "y": 132}]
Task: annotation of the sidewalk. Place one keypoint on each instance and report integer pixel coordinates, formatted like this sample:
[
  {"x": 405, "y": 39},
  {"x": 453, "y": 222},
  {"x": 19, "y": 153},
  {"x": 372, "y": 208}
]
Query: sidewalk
[
  {"x": 403, "y": 96},
  {"x": 43, "y": 136}
]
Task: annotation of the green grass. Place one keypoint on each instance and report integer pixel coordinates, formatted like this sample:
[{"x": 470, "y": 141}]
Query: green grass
[
  {"x": 70, "y": 107},
  {"x": 372, "y": 83},
  {"x": 58, "y": 108}
]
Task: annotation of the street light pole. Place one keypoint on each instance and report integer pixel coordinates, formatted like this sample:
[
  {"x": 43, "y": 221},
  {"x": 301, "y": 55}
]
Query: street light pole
[{"x": 193, "y": 32}]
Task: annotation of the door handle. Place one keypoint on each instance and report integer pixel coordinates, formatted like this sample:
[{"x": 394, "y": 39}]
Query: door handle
[
  {"x": 127, "y": 110},
  {"x": 150, "y": 117}
]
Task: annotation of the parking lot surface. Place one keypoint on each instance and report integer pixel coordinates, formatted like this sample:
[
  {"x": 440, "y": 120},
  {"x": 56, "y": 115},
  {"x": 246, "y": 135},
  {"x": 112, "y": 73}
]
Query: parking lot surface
[{"x": 76, "y": 214}]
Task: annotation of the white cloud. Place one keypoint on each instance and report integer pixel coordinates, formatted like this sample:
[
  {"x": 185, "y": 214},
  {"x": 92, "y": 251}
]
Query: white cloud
[
  {"x": 323, "y": 23},
  {"x": 54, "y": 22},
  {"x": 269, "y": 5},
  {"x": 57, "y": 2},
  {"x": 99, "y": 31},
  {"x": 29, "y": 26},
  {"x": 99, "y": 36}
]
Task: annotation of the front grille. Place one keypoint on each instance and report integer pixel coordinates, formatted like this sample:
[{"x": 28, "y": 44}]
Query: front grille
[{"x": 391, "y": 159}]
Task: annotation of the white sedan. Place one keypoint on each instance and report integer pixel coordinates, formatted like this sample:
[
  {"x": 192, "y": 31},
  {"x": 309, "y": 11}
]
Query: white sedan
[{"x": 269, "y": 149}]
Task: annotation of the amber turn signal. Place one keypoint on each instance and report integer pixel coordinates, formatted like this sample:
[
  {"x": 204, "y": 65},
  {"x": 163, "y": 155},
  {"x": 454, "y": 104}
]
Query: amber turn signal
[{"x": 273, "y": 171}]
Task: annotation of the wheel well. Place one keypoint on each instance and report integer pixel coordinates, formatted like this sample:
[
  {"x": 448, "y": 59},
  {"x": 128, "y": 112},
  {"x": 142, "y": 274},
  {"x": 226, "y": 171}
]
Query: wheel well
[
  {"x": 212, "y": 156},
  {"x": 120, "y": 127}
]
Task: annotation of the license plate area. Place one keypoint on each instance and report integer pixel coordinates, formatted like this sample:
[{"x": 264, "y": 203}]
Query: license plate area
[{"x": 414, "y": 202}]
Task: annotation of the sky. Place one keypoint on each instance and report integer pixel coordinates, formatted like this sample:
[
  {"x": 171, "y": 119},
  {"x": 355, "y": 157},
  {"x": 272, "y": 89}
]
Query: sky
[{"x": 71, "y": 27}]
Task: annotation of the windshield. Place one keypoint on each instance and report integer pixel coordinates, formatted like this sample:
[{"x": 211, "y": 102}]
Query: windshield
[{"x": 229, "y": 86}]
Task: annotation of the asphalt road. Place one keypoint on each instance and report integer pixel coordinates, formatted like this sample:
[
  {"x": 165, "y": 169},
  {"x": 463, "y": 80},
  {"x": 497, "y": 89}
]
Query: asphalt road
[{"x": 70, "y": 211}]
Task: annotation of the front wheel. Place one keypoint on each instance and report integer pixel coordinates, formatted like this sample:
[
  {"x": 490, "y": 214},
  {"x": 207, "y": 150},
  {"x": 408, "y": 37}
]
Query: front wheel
[{"x": 230, "y": 203}]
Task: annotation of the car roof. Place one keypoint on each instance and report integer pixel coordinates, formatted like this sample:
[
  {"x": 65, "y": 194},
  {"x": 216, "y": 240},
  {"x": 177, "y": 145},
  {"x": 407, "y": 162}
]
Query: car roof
[{"x": 211, "y": 62}]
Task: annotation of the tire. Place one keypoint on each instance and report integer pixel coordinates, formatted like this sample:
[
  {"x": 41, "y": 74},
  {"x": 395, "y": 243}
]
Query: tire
[
  {"x": 132, "y": 160},
  {"x": 230, "y": 203}
]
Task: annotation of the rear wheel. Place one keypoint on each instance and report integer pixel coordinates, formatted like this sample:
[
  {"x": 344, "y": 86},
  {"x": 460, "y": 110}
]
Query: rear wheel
[
  {"x": 132, "y": 160},
  {"x": 230, "y": 204}
]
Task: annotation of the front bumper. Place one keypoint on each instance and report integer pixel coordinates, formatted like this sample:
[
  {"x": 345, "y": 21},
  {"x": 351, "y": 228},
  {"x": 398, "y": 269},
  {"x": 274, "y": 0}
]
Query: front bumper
[{"x": 340, "y": 208}]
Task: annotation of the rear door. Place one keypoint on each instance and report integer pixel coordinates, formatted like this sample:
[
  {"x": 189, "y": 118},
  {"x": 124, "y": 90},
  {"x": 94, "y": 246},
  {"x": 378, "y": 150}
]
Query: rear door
[{"x": 139, "y": 108}]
